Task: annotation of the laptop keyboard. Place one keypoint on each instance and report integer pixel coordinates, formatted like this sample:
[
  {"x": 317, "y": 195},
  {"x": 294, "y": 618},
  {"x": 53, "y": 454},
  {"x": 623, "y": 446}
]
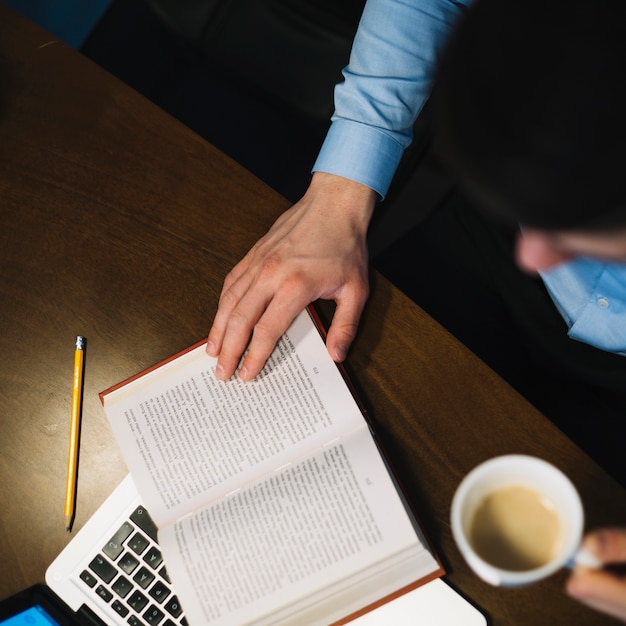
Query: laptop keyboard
[{"x": 129, "y": 576}]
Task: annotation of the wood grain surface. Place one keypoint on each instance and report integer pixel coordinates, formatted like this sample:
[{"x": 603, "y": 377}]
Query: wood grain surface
[{"x": 118, "y": 223}]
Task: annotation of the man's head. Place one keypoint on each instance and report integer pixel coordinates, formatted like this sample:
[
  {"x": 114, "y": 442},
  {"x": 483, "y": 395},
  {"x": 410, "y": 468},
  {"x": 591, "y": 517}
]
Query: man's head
[{"x": 530, "y": 113}]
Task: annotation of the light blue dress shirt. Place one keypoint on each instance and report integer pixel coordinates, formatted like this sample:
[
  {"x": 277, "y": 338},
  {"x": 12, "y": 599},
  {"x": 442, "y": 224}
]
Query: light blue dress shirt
[
  {"x": 387, "y": 82},
  {"x": 591, "y": 297}
]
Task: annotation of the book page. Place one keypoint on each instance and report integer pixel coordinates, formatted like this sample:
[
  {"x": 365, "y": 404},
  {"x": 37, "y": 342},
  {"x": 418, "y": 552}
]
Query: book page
[
  {"x": 188, "y": 437},
  {"x": 318, "y": 523}
]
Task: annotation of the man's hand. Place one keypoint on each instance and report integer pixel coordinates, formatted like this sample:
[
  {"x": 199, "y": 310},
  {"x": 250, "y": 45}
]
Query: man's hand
[
  {"x": 316, "y": 249},
  {"x": 601, "y": 589}
]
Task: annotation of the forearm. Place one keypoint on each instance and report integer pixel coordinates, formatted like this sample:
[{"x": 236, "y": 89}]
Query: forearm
[
  {"x": 317, "y": 249},
  {"x": 387, "y": 83}
]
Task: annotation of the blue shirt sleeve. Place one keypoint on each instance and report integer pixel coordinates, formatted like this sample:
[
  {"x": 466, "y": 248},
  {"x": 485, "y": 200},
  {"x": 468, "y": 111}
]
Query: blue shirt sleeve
[
  {"x": 591, "y": 296},
  {"x": 387, "y": 82}
]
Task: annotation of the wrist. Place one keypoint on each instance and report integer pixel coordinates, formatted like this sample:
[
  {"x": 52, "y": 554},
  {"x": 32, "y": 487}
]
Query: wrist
[{"x": 343, "y": 198}]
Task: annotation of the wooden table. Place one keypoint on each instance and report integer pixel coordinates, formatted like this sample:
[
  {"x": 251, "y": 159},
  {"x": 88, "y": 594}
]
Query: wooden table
[{"x": 118, "y": 223}]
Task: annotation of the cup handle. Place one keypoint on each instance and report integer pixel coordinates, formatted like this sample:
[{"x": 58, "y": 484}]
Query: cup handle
[{"x": 584, "y": 558}]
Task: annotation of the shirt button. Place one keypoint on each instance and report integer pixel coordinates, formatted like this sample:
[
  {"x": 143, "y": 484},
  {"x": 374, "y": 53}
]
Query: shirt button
[{"x": 603, "y": 303}]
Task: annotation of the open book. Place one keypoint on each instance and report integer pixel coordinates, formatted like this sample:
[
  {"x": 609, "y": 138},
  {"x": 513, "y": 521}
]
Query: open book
[{"x": 273, "y": 502}]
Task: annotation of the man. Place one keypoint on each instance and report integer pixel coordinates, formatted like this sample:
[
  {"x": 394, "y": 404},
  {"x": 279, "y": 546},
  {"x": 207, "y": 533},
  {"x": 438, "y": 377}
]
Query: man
[
  {"x": 528, "y": 112},
  {"x": 375, "y": 110},
  {"x": 317, "y": 248}
]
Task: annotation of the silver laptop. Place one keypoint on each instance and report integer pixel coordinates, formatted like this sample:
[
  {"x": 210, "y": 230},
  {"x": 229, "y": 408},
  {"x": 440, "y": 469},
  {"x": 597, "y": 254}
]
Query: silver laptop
[{"x": 112, "y": 573}]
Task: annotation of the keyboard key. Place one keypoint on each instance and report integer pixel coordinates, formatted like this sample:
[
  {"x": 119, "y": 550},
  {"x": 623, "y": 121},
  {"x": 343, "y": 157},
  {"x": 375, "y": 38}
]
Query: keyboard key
[
  {"x": 141, "y": 517},
  {"x": 134, "y": 589},
  {"x": 104, "y": 593},
  {"x": 120, "y": 609},
  {"x": 137, "y": 601},
  {"x": 143, "y": 577},
  {"x": 164, "y": 575},
  {"x": 102, "y": 568},
  {"x": 122, "y": 586},
  {"x": 138, "y": 543},
  {"x": 153, "y": 615},
  {"x": 128, "y": 563},
  {"x": 159, "y": 591},
  {"x": 173, "y": 607},
  {"x": 87, "y": 578},
  {"x": 153, "y": 557},
  {"x": 114, "y": 546}
]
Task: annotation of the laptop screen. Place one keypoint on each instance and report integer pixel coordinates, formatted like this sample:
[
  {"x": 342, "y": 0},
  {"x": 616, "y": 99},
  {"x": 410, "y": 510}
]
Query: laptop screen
[
  {"x": 36, "y": 606},
  {"x": 32, "y": 616}
]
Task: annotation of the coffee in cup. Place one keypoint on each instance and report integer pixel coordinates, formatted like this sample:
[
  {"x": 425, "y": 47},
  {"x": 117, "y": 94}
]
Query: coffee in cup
[{"x": 516, "y": 519}]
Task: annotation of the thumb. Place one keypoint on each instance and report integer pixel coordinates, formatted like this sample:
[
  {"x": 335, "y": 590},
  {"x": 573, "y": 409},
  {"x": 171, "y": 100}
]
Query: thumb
[
  {"x": 344, "y": 326},
  {"x": 607, "y": 545},
  {"x": 601, "y": 589}
]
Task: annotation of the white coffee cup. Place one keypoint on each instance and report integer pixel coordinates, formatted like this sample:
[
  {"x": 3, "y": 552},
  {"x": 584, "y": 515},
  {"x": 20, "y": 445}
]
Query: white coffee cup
[{"x": 493, "y": 491}]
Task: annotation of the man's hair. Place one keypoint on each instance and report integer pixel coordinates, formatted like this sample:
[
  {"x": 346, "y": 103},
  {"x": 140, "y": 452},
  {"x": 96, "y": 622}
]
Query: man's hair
[{"x": 530, "y": 110}]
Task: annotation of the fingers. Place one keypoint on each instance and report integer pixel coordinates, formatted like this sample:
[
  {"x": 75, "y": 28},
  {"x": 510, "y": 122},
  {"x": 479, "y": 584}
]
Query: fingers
[
  {"x": 316, "y": 249},
  {"x": 229, "y": 350},
  {"x": 536, "y": 250},
  {"x": 271, "y": 325},
  {"x": 241, "y": 310},
  {"x": 608, "y": 545},
  {"x": 599, "y": 590},
  {"x": 262, "y": 320},
  {"x": 235, "y": 286},
  {"x": 256, "y": 273},
  {"x": 345, "y": 322},
  {"x": 254, "y": 312}
]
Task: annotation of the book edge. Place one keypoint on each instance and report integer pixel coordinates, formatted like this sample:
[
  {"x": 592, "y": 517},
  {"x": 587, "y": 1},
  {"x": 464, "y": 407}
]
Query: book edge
[
  {"x": 437, "y": 573},
  {"x": 103, "y": 394}
]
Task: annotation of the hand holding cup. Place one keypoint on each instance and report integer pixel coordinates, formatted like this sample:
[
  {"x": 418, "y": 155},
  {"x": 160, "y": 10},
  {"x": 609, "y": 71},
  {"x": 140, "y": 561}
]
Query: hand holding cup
[{"x": 517, "y": 519}]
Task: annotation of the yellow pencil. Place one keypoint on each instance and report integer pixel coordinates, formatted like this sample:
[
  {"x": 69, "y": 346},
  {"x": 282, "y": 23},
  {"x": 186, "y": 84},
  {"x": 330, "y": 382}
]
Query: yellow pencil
[{"x": 72, "y": 457}]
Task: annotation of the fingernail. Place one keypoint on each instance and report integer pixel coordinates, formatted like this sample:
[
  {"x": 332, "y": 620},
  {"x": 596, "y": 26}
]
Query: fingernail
[
  {"x": 596, "y": 543},
  {"x": 590, "y": 553},
  {"x": 340, "y": 352},
  {"x": 243, "y": 373},
  {"x": 587, "y": 559},
  {"x": 219, "y": 372},
  {"x": 210, "y": 348}
]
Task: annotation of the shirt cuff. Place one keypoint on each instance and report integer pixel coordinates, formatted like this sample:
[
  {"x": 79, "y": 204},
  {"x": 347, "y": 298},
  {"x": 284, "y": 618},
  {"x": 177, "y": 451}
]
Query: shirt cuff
[{"x": 360, "y": 153}]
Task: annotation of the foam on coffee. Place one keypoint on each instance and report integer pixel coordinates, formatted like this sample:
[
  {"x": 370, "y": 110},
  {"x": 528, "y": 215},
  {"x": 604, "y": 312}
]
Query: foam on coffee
[{"x": 515, "y": 528}]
